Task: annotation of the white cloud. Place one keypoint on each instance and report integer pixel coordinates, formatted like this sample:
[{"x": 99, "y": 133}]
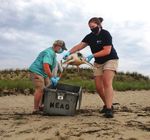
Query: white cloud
[{"x": 29, "y": 26}]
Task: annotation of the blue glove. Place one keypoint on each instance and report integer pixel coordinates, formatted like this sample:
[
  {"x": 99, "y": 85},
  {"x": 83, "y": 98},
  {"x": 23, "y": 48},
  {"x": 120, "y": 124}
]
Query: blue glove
[
  {"x": 66, "y": 55},
  {"x": 89, "y": 58},
  {"x": 55, "y": 80}
]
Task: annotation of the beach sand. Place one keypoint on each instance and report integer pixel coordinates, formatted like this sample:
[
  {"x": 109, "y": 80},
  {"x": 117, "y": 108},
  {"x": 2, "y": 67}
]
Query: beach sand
[{"x": 131, "y": 120}]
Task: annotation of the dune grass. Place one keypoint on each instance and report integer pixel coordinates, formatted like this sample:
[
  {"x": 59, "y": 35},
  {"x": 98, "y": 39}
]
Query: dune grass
[
  {"x": 89, "y": 85},
  {"x": 18, "y": 84},
  {"x": 18, "y": 80}
]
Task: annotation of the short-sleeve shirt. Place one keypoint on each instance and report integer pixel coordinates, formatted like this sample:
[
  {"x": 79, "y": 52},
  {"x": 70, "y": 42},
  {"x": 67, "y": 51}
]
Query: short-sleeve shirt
[
  {"x": 97, "y": 42},
  {"x": 46, "y": 56}
]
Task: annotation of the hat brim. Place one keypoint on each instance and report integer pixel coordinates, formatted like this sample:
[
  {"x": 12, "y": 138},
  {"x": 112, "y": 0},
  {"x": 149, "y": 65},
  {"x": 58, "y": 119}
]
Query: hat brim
[{"x": 64, "y": 48}]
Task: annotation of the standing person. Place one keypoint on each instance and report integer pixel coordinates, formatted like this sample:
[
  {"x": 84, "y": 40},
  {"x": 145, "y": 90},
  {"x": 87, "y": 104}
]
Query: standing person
[
  {"x": 106, "y": 61},
  {"x": 41, "y": 71}
]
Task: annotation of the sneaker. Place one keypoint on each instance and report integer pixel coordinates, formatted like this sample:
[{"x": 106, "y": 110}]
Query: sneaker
[
  {"x": 36, "y": 112},
  {"x": 109, "y": 113},
  {"x": 41, "y": 108},
  {"x": 104, "y": 109}
]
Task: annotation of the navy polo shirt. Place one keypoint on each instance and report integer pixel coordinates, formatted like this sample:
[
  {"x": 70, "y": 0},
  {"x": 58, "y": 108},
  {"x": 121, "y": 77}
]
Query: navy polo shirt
[{"x": 97, "y": 42}]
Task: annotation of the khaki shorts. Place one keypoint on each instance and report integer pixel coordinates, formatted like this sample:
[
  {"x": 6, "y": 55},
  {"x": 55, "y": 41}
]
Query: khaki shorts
[
  {"x": 38, "y": 81},
  {"x": 109, "y": 65}
]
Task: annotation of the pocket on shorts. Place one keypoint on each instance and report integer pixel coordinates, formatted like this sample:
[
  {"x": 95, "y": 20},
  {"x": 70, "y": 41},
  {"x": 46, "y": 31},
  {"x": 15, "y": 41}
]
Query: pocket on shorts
[
  {"x": 37, "y": 80},
  {"x": 96, "y": 65},
  {"x": 98, "y": 69},
  {"x": 111, "y": 64}
]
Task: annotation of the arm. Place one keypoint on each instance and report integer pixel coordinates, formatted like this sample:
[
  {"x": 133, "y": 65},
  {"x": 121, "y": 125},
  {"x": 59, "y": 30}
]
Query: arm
[
  {"x": 106, "y": 51},
  {"x": 54, "y": 80},
  {"x": 47, "y": 70},
  {"x": 78, "y": 47}
]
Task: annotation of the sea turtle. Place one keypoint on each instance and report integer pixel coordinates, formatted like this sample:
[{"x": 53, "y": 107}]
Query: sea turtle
[{"x": 76, "y": 59}]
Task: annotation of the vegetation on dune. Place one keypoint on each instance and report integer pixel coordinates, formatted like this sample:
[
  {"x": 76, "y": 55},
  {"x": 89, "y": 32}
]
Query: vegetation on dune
[
  {"x": 122, "y": 81},
  {"x": 17, "y": 81}
]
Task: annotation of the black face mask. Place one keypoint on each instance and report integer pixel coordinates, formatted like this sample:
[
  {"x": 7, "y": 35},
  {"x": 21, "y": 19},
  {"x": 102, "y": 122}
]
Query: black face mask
[{"x": 95, "y": 30}]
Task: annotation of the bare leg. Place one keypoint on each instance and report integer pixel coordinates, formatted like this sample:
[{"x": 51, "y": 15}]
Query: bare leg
[
  {"x": 108, "y": 76},
  {"x": 38, "y": 82},
  {"x": 47, "y": 83},
  {"x": 100, "y": 87},
  {"x": 37, "y": 98}
]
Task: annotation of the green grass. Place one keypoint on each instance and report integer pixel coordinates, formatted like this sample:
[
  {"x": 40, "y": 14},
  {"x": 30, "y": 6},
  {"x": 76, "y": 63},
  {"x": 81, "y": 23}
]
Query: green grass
[
  {"x": 19, "y": 80},
  {"x": 131, "y": 85},
  {"x": 16, "y": 84},
  {"x": 89, "y": 85}
]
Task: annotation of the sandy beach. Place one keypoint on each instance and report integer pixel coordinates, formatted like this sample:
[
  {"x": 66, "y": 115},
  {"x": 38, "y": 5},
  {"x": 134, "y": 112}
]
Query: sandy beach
[{"x": 131, "y": 120}]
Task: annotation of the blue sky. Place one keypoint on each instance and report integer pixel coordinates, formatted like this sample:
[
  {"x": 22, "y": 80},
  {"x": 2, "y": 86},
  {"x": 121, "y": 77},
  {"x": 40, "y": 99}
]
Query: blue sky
[{"x": 29, "y": 26}]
